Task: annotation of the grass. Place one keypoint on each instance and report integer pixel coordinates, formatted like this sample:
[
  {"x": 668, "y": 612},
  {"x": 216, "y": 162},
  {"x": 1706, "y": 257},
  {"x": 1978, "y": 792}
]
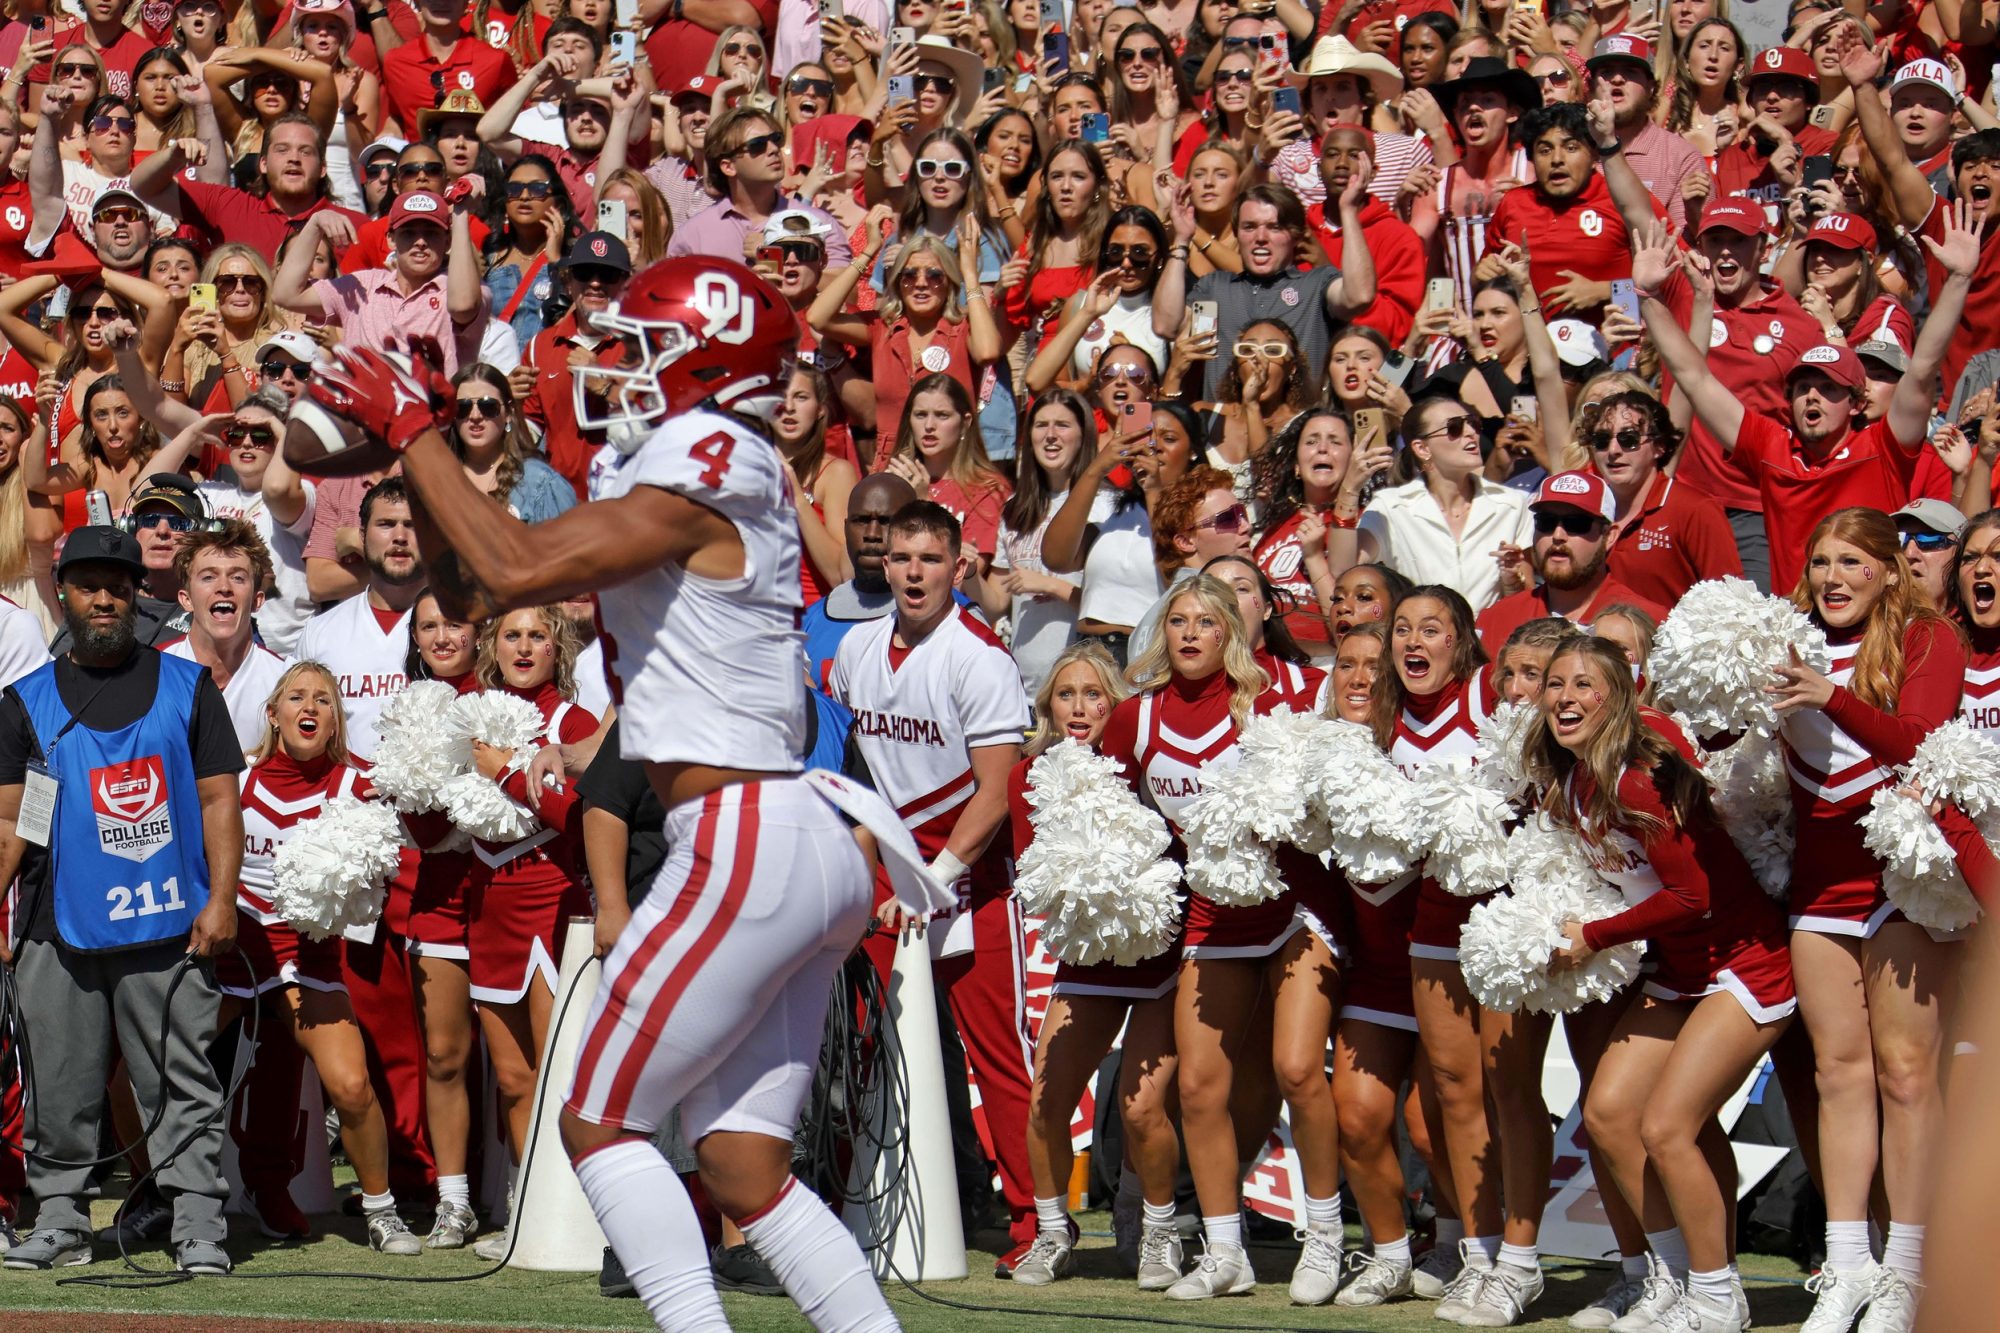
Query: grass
[{"x": 515, "y": 1299}]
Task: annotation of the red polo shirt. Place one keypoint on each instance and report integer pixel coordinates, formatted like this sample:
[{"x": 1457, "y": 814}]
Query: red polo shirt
[
  {"x": 230, "y": 214},
  {"x": 551, "y": 404},
  {"x": 1677, "y": 538},
  {"x": 1400, "y": 267},
  {"x": 406, "y": 77},
  {"x": 1508, "y": 614},
  {"x": 1584, "y": 234},
  {"x": 1869, "y": 468}
]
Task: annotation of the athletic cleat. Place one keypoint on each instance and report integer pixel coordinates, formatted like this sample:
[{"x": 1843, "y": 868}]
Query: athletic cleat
[
  {"x": 388, "y": 1233},
  {"x": 1048, "y": 1258},
  {"x": 1893, "y": 1306},
  {"x": 1842, "y": 1297},
  {"x": 1317, "y": 1275},
  {"x": 1658, "y": 1294},
  {"x": 51, "y": 1249},
  {"x": 1462, "y": 1292},
  {"x": 1608, "y": 1309},
  {"x": 1224, "y": 1270},
  {"x": 1159, "y": 1257},
  {"x": 1694, "y": 1314},
  {"x": 741, "y": 1268},
  {"x": 203, "y": 1257},
  {"x": 1373, "y": 1280},
  {"x": 455, "y": 1225},
  {"x": 142, "y": 1218},
  {"x": 1505, "y": 1293},
  {"x": 612, "y": 1284},
  {"x": 278, "y": 1217},
  {"x": 1435, "y": 1271},
  {"x": 1128, "y": 1218}
]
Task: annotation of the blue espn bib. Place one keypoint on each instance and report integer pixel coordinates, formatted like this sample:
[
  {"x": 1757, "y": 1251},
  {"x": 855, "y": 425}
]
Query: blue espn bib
[{"x": 127, "y": 863}]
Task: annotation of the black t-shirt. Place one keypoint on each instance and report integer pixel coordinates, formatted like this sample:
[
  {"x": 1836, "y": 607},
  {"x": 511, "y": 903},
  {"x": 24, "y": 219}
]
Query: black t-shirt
[
  {"x": 107, "y": 700},
  {"x": 618, "y": 786}
]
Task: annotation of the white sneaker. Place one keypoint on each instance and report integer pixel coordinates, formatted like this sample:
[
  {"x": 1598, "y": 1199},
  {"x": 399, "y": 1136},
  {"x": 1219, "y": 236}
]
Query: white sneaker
[
  {"x": 1842, "y": 1296},
  {"x": 1435, "y": 1271},
  {"x": 1893, "y": 1307},
  {"x": 1317, "y": 1276},
  {"x": 1462, "y": 1293},
  {"x": 1047, "y": 1260},
  {"x": 1159, "y": 1258},
  {"x": 1224, "y": 1270},
  {"x": 1658, "y": 1294},
  {"x": 1504, "y": 1297},
  {"x": 1128, "y": 1218},
  {"x": 1609, "y": 1308},
  {"x": 1373, "y": 1280},
  {"x": 1694, "y": 1314},
  {"x": 1742, "y": 1300}
]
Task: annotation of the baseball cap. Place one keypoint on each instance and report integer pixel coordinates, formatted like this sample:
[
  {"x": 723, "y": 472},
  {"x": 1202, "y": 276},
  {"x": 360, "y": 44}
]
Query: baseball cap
[
  {"x": 109, "y": 545},
  {"x": 794, "y": 224},
  {"x": 1937, "y": 515},
  {"x": 701, "y": 85},
  {"x": 388, "y": 143},
  {"x": 1622, "y": 46},
  {"x": 599, "y": 249},
  {"x": 1737, "y": 214},
  {"x": 172, "y": 490},
  {"x": 1784, "y": 62},
  {"x": 1577, "y": 490},
  {"x": 1925, "y": 70},
  {"x": 1840, "y": 365},
  {"x": 298, "y": 346},
  {"x": 418, "y": 206},
  {"x": 1578, "y": 344},
  {"x": 1886, "y": 351},
  {"x": 116, "y": 195},
  {"x": 1844, "y": 231}
]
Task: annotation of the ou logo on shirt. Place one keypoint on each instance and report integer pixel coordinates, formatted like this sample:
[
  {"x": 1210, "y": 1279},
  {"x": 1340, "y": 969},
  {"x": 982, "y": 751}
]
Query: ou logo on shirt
[
  {"x": 1590, "y": 222},
  {"x": 16, "y": 219}
]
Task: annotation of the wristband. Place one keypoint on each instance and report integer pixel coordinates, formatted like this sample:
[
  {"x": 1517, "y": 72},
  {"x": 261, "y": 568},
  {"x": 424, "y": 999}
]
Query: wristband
[
  {"x": 946, "y": 869},
  {"x": 1615, "y": 149},
  {"x": 173, "y": 386},
  {"x": 1349, "y": 521}
]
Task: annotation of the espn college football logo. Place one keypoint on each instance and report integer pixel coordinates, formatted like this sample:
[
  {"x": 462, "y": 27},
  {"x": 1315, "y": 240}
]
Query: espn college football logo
[{"x": 130, "y": 803}]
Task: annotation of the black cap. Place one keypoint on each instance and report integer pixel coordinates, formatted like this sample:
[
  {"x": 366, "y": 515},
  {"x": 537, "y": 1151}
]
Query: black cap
[
  {"x": 599, "y": 249},
  {"x": 101, "y": 544}
]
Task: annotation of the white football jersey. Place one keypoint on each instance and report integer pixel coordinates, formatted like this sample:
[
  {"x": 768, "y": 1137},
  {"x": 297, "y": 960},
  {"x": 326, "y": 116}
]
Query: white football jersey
[
  {"x": 23, "y": 647},
  {"x": 917, "y": 722},
  {"x": 247, "y": 691},
  {"x": 709, "y": 671},
  {"x": 366, "y": 660}
]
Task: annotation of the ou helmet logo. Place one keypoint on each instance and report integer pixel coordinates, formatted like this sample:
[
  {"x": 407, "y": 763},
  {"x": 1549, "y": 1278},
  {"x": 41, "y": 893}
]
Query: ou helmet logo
[
  {"x": 1591, "y": 222},
  {"x": 721, "y": 300}
]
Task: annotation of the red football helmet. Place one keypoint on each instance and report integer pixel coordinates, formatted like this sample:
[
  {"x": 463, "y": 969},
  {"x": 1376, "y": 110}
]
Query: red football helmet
[{"x": 697, "y": 330}]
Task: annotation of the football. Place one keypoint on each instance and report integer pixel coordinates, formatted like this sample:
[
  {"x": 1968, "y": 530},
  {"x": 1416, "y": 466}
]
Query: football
[{"x": 319, "y": 443}]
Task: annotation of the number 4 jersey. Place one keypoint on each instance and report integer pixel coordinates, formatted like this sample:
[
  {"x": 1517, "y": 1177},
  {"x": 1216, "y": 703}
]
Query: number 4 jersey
[{"x": 709, "y": 671}]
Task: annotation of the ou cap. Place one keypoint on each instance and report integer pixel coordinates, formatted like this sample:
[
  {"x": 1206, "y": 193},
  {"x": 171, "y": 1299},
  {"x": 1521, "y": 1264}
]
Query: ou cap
[
  {"x": 1734, "y": 213},
  {"x": 298, "y": 346},
  {"x": 1578, "y": 344},
  {"x": 1936, "y": 515},
  {"x": 1838, "y": 364},
  {"x": 1843, "y": 231},
  {"x": 1785, "y": 62},
  {"x": 1584, "y": 491},
  {"x": 424, "y": 206},
  {"x": 599, "y": 249}
]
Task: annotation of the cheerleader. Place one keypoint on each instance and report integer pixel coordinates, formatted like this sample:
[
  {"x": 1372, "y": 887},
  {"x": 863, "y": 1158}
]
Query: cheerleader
[
  {"x": 434, "y": 924},
  {"x": 1266, "y": 613},
  {"x": 1427, "y": 709},
  {"x": 301, "y": 763},
  {"x": 1976, "y": 580},
  {"x": 1088, "y": 1006},
  {"x": 1198, "y": 683},
  {"x": 1870, "y": 983},
  {"x": 521, "y": 892},
  {"x": 1627, "y": 786}
]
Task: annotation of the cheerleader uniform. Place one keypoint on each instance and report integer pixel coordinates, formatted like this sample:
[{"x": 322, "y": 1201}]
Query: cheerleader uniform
[
  {"x": 427, "y": 905},
  {"x": 1147, "y": 979},
  {"x": 279, "y": 794},
  {"x": 1837, "y": 757},
  {"x": 521, "y": 891},
  {"x": 1441, "y": 728},
  {"x": 1979, "y": 705}
]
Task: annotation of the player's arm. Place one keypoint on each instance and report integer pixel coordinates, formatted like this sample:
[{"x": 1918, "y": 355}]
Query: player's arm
[{"x": 986, "y": 810}]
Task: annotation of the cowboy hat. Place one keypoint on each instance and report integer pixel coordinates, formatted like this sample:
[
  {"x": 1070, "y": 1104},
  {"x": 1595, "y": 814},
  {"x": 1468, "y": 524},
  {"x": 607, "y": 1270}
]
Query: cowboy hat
[
  {"x": 968, "y": 72},
  {"x": 1336, "y": 55},
  {"x": 1490, "y": 72}
]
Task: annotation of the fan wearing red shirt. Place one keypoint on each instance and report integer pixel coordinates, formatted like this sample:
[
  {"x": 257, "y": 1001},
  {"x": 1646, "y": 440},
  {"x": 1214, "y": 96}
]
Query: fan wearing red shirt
[
  {"x": 1571, "y": 557},
  {"x": 1666, "y": 536},
  {"x": 1566, "y": 220},
  {"x": 417, "y": 74},
  {"x": 293, "y": 189},
  {"x": 1398, "y": 250},
  {"x": 679, "y": 46},
  {"x": 1821, "y": 463},
  {"x": 1782, "y": 85}
]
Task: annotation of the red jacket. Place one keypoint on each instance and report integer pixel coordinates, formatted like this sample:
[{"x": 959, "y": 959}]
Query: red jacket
[{"x": 1399, "y": 265}]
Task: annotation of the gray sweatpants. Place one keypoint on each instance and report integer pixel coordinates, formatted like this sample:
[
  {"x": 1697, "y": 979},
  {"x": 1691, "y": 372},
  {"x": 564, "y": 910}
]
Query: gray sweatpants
[{"x": 75, "y": 1006}]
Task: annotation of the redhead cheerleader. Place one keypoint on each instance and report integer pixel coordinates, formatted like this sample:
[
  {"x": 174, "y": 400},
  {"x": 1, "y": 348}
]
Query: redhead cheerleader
[
  {"x": 1198, "y": 683},
  {"x": 1976, "y": 584},
  {"x": 521, "y": 892},
  {"x": 434, "y": 924},
  {"x": 1088, "y": 1007},
  {"x": 1871, "y": 985},
  {"x": 300, "y": 765}
]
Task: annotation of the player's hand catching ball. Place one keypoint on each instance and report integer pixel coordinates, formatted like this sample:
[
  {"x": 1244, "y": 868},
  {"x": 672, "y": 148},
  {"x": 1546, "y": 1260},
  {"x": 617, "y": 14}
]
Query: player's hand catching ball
[{"x": 366, "y": 407}]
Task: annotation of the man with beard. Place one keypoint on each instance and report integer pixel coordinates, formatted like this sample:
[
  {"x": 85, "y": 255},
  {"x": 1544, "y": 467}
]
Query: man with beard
[
  {"x": 865, "y": 597},
  {"x": 1621, "y": 73},
  {"x": 119, "y": 808},
  {"x": 1821, "y": 462},
  {"x": 1571, "y": 556},
  {"x": 294, "y": 188}
]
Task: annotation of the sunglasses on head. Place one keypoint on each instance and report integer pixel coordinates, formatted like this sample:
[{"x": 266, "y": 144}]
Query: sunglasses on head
[
  {"x": 257, "y": 437},
  {"x": 1926, "y": 540},
  {"x": 1627, "y": 440},
  {"x": 229, "y": 282},
  {"x": 1272, "y": 351},
  {"x": 1133, "y": 54},
  {"x": 1140, "y": 255},
  {"x": 1234, "y": 519},
  {"x": 411, "y": 170},
  {"x": 950, "y": 168},
  {"x": 1235, "y": 43},
  {"x": 1572, "y": 522},
  {"x": 935, "y": 83},
  {"x": 113, "y": 125},
  {"x": 798, "y": 85},
  {"x": 489, "y": 409},
  {"x": 760, "y": 145}
]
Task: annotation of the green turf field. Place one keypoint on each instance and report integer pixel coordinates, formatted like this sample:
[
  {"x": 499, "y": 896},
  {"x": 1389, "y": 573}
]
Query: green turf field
[{"x": 513, "y": 1299}]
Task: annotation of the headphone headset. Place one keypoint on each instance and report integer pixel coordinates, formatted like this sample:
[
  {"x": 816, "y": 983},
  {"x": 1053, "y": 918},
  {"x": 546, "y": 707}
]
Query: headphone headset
[{"x": 173, "y": 481}]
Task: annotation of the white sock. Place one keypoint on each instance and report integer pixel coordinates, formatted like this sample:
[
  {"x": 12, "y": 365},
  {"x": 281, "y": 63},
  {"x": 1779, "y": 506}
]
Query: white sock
[
  {"x": 819, "y": 1263},
  {"x": 454, "y": 1189},
  {"x": 1903, "y": 1252},
  {"x": 1847, "y": 1246},
  {"x": 1223, "y": 1230},
  {"x": 1450, "y": 1231},
  {"x": 1158, "y": 1214},
  {"x": 1485, "y": 1249},
  {"x": 1395, "y": 1252},
  {"x": 1713, "y": 1287},
  {"x": 377, "y": 1203},
  {"x": 647, "y": 1217},
  {"x": 1521, "y": 1256},
  {"x": 1635, "y": 1266},
  {"x": 1052, "y": 1215},
  {"x": 1323, "y": 1214},
  {"x": 1671, "y": 1250}
]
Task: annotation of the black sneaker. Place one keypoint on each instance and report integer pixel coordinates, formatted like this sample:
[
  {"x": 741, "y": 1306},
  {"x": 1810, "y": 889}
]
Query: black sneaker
[
  {"x": 142, "y": 1218},
  {"x": 611, "y": 1279},
  {"x": 741, "y": 1268}
]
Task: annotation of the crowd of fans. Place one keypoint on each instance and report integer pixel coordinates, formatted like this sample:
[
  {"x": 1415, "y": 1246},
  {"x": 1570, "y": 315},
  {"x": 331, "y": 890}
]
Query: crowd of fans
[{"x": 1400, "y": 337}]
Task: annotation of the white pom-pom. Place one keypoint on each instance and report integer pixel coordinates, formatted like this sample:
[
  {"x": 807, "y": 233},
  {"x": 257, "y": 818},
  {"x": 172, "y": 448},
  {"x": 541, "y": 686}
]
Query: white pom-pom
[
  {"x": 1373, "y": 826},
  {"x": 477, "y": 805},
  {"x": 1466, "y": 822},
  {"x": 1504, "y": 949},
  {"x": 1753, "y": 799},
  {"x": 1958, "y": 763},
  {"x": 1553, "y": 883},
  {"x": 1717, "y": 651},
  {"x": 495, "y": 717},
  {"x": 1919, "y": 872},
  {"x": 1498, "y": 764},
  {"x": 416, "y": 752},
  {"x": 474, "y": 803},
  {"x": 1247, "y": 807},
  {"x": 334, "y": 870},
  {"x": 1096, "y": 872}
]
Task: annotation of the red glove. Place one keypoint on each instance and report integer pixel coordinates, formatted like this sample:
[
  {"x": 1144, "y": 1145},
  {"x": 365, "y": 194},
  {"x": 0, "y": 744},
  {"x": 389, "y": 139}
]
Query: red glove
[{"x": 377, "y": 392}]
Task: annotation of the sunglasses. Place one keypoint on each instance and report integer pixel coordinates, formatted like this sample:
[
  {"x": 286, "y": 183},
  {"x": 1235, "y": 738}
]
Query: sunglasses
[
  {"x": 950, "y": 168},
  {"x": 1556, "y": 77},
  {"x": 742, "y": 49},
  {"x": 71, "y": 71},
  {"x": 606, "y": 278},
  {"x": 759, "y": 146},
  {"x": 277, "y": 367},
  {"x": 1234, "y": 519},
  {"x": 527, "y": 189},
  {"x": 935, "y": 83},
  {"x": 1273, "y": 351},
  {"x": 1572, "y": 523},
  {"x": 1125, "y": 370},
  {"x": 798, "y": 86},
  {"x": 379, "y": 170},
  {"x": 1134, "y": 54},
  {"x": 488, "y": 409},
  {"x": 932, "y": 277},
  {"x": 1928, "y": 541},
  {"x": 1453, "y": 426},
  {"x": 581, "y": 107},
  {"x": 257, "y": 437},
  {"x": 1235, "y": 76},
  {"x": 113, "y": 125},
  {"x": 806, "y": 252},
  {"x": 409, "y": 171},
  {"x": 174, "y": 522},
  {"x": 117, "y": 213},
  {"x": 1140, "y": 255},
  {"x": 1627, "y": 440},
  {"x": 102, "y": 313},
  {"x": 229, "y": 282},
  {"x": 1234, "y": 43}
]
